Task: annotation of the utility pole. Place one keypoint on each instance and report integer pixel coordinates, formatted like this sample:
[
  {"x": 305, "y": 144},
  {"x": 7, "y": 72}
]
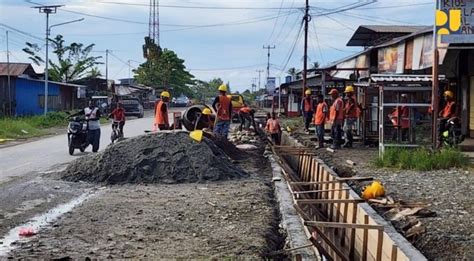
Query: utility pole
[
  {"x": 8, "y": 80},
  {"x": 107, "y": 68},
  {"x": 47, "y": 9},
  {"x": 306, "y": 18},
  {"x": 268, "y": 47},
  {"x": 259, "y": 77},
  {"x": 129, "y": 69}
]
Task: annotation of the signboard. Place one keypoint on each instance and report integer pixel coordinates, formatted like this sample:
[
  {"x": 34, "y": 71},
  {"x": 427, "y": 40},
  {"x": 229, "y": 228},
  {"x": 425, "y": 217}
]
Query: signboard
[
  {"x": 455, "y": 21},
  {"x": 270, "y": 85},
  {"x": 388, "y": 59}
]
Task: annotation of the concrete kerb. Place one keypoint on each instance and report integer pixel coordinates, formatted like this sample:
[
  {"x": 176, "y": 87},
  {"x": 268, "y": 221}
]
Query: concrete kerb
[{"x": 290, "y": 220}]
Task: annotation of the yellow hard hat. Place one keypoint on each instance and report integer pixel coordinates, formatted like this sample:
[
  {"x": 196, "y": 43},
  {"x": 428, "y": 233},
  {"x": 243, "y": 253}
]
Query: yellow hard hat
[
  {"x": 206, "y": 111},
  {"x": 449, "y": 94},
  {"x": 307, "y": 92},
  {"x": 349, "y": 88},
  {"x": 165, "y": 94},
  {"x": 223, "y": 88}
]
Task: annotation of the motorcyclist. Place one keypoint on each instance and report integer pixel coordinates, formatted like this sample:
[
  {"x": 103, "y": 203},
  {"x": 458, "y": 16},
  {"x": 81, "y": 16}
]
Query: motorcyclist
[
  {"x": 448, "y": 112},
  {"x": 92, "y": 116},
  {"x": 118, "y": 116}
]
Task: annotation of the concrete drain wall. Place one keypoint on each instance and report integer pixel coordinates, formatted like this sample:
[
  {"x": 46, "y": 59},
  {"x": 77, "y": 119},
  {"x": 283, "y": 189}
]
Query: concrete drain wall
[{"x": 341, "y": 224}]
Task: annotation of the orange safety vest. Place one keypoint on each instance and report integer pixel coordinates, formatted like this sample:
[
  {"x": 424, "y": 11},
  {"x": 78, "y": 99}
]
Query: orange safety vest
[
  {"x": 448, "y": 110},
  {"x": 308, "y": 104},
  {"x": 273, "y": 126},
  {"x": 160, "y": 116},
  {"x": 321, "y": 111},
  {"x": 223, "y": 112},
  {"x": 351, "y": 110},
  {"x": 336, "y": 115},
  {"x": 402, "y": 112},
  {"x": 245, "y": 109}
]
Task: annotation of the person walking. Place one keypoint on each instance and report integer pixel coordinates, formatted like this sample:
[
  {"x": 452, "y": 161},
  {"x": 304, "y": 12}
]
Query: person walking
[
  {"x": 336, "y": 118},
  {"x": 274, "y": 129},
  {"x": 307, "y": 108},
  {"x": 161, "y": 112},
  {"x": 223, "y": 106},
  {"x": 320, "y": 119},
  {"x": 351, "y": 114}
]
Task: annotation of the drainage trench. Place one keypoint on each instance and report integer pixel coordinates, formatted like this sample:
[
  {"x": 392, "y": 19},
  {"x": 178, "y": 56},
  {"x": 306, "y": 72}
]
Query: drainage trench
[{"x": 337, "y": 221}]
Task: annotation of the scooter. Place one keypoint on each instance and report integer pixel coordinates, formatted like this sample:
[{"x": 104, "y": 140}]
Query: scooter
[
  {"x": 77, "y": 134},
  {"x": 452, "y": 136}
]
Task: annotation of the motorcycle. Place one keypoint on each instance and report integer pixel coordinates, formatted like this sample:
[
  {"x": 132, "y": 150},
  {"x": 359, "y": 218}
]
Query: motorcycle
[
  {"x": 77, "y": 134},
  {"x": 452, "y": 135},
  {"x": 116, "y": 134}
]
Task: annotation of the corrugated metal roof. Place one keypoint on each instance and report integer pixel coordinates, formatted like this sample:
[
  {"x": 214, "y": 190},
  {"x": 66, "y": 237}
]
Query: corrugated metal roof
[
  {"x": 369, "y": 35},
  {"x": 402, "y": 78},
  {"x": 16, "y": 69},
  {"x": 393, "y": 28}
]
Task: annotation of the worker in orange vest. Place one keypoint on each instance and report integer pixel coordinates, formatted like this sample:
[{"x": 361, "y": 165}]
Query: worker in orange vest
[
  {"x": 274, "y": 129},
  {"x": 246, "y": 117},
  {"x": 320, "y": 117},
  {"x": 307, "y": 108},
  {"x": 223, "y": 106},
  {"x": 400, "y": 118},
  {"x": 351, "y": 114},
  {"x": 336, "y": 118},
  {"x": 161, "y": 112},
  {"x": 449, "y": 111}
]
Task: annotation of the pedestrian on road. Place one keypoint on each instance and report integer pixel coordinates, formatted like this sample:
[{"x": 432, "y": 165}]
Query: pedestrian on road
[
  {"x": 307, "y": 108},
  {"x": 320, "y": 117},
  {"x": 351, "y": 114},
  {"x": 161, "y": 112},
  {"x": 223, "y": 106},
  {"x": 336, "y": 118},
  {"x": 92, "y": 116},
  {"x": 274, "y": 129}
]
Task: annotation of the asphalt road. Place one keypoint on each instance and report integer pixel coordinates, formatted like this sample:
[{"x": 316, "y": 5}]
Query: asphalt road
[{"x": 41, "y": 155}]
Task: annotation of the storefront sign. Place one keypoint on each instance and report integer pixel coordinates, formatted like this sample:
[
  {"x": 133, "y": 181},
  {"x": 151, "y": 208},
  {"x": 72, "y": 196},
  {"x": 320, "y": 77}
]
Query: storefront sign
[{"x": 455, "y": 21}]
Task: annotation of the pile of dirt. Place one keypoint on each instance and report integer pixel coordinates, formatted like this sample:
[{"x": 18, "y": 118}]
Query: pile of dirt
[{"x": 169, "y": 158}]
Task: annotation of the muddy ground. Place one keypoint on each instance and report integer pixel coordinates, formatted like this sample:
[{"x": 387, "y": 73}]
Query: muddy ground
[
  {"x": 450, "y": 234},
  {"x": 210, "y": 220}
]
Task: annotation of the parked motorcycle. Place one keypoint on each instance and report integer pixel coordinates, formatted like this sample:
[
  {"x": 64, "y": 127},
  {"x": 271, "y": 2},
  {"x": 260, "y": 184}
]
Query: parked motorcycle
[
  {"x": 77, "y": 134},
  {"x": 452, "y": 135}
]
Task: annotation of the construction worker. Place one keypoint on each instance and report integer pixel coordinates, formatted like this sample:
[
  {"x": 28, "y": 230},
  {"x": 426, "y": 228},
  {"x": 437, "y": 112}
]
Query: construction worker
[
  {"x": 448, "y": 111},
  {"x": 223, "y": 106},
  {"x": 336, "y": 118},
  {"x": 351, "y": 114},
  {"x": 274, "y": 129},
  {"x": 246, "y": 116},
  {"x": 161, "y": 112},
  {"x": 307, "y": 108},
  {"x": 400, "y": 119},
  {"x": 320, "y": 117},
  {"x": 207, "y": 119}
]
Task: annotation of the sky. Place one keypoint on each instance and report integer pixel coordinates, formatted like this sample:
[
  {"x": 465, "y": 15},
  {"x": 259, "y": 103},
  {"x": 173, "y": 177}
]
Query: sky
[{"x": 216, "y": 38}]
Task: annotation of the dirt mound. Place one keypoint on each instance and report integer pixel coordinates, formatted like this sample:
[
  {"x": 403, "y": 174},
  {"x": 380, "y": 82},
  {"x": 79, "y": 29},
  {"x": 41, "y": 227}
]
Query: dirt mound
[{"x": 158, "y": 158}]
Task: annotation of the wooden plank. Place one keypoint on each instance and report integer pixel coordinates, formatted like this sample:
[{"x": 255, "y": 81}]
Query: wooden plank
[
  {"x": 338, "y": 209},
  {"x": 337, "y": 180},
  {"x": 355, "y": 179},
  {"x": 379, "y": 246},
  {"x": 394, "y": 252},
  {"x": 319, "y": 191},
  {"x": 328, "y": 201},
  {"x": 366, "y": 227},
  {"x": 331, "y": 244},
  {"x": 344, "y": 219},
  {"x": 353, "y": 233},
  {"x": 365, "y": 238}
]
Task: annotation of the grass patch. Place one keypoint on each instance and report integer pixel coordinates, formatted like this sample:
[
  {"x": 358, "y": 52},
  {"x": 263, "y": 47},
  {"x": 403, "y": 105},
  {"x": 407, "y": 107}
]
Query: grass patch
[
  {"x": 421, "y": 159},
  {"x": 293, "y": 122},
  {"x": 32, "y": 126}
]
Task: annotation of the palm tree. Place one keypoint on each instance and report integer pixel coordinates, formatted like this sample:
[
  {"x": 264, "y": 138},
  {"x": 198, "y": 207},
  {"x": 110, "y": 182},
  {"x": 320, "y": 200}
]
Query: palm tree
[
  {"x": 94, "y": 73},
  {"x": 292, "y": 72}
]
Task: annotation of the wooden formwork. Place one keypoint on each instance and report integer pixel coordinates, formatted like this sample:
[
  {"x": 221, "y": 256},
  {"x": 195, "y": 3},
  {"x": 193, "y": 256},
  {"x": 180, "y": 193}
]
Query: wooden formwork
[{"x": 338, "y": 226}]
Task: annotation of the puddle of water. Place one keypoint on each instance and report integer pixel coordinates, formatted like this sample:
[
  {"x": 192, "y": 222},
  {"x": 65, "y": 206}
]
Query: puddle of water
[{"x": 40, "y": 221}]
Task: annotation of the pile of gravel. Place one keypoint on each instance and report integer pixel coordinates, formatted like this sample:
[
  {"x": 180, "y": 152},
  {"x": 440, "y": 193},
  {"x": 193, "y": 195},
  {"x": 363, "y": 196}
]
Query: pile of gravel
[{"x": 168, "y": 157}]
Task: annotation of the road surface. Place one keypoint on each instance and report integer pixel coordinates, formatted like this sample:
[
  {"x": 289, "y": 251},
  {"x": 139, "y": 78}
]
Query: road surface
[{"x": 42, "y": 154}]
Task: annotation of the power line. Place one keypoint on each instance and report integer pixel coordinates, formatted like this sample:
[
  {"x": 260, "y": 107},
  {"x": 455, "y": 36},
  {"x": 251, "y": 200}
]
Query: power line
[
  {"x": 290, "y": 54},
  {"x": 395, "y": 6},
  {"x": 21, "y": 32},
  {"x": 202, "y": 7},
  {"x": 276, "y": 21},
  {"x": 284, "y": 24}
]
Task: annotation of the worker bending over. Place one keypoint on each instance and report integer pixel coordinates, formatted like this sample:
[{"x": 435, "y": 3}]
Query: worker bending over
[
  {"x": 274, "y": 129},
  {"x": 336, "y": 118},
  {"x": 223, "y": 106},
  {"x": 246, "y": 117},
  {"x": 320, "y": 119},
  {"x": 161, "y": 112},
  {"x": 207, "y": 119},
  {"x": 351, "y": 114}
]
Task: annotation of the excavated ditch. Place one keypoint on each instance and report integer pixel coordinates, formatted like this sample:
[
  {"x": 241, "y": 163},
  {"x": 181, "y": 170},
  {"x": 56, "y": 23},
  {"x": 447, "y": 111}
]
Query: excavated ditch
[{"x": 167, "y": 157}]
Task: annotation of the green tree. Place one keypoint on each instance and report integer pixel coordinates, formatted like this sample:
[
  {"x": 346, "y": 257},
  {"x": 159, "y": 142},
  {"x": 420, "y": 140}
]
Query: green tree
[
  {"x": 164, "y": 70},
  {"x": 94, "y": 73},
  {"x": 292, "y": 72},
  {"x": 205, "y": 90},
  {"x": 73, "y": 60}
]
